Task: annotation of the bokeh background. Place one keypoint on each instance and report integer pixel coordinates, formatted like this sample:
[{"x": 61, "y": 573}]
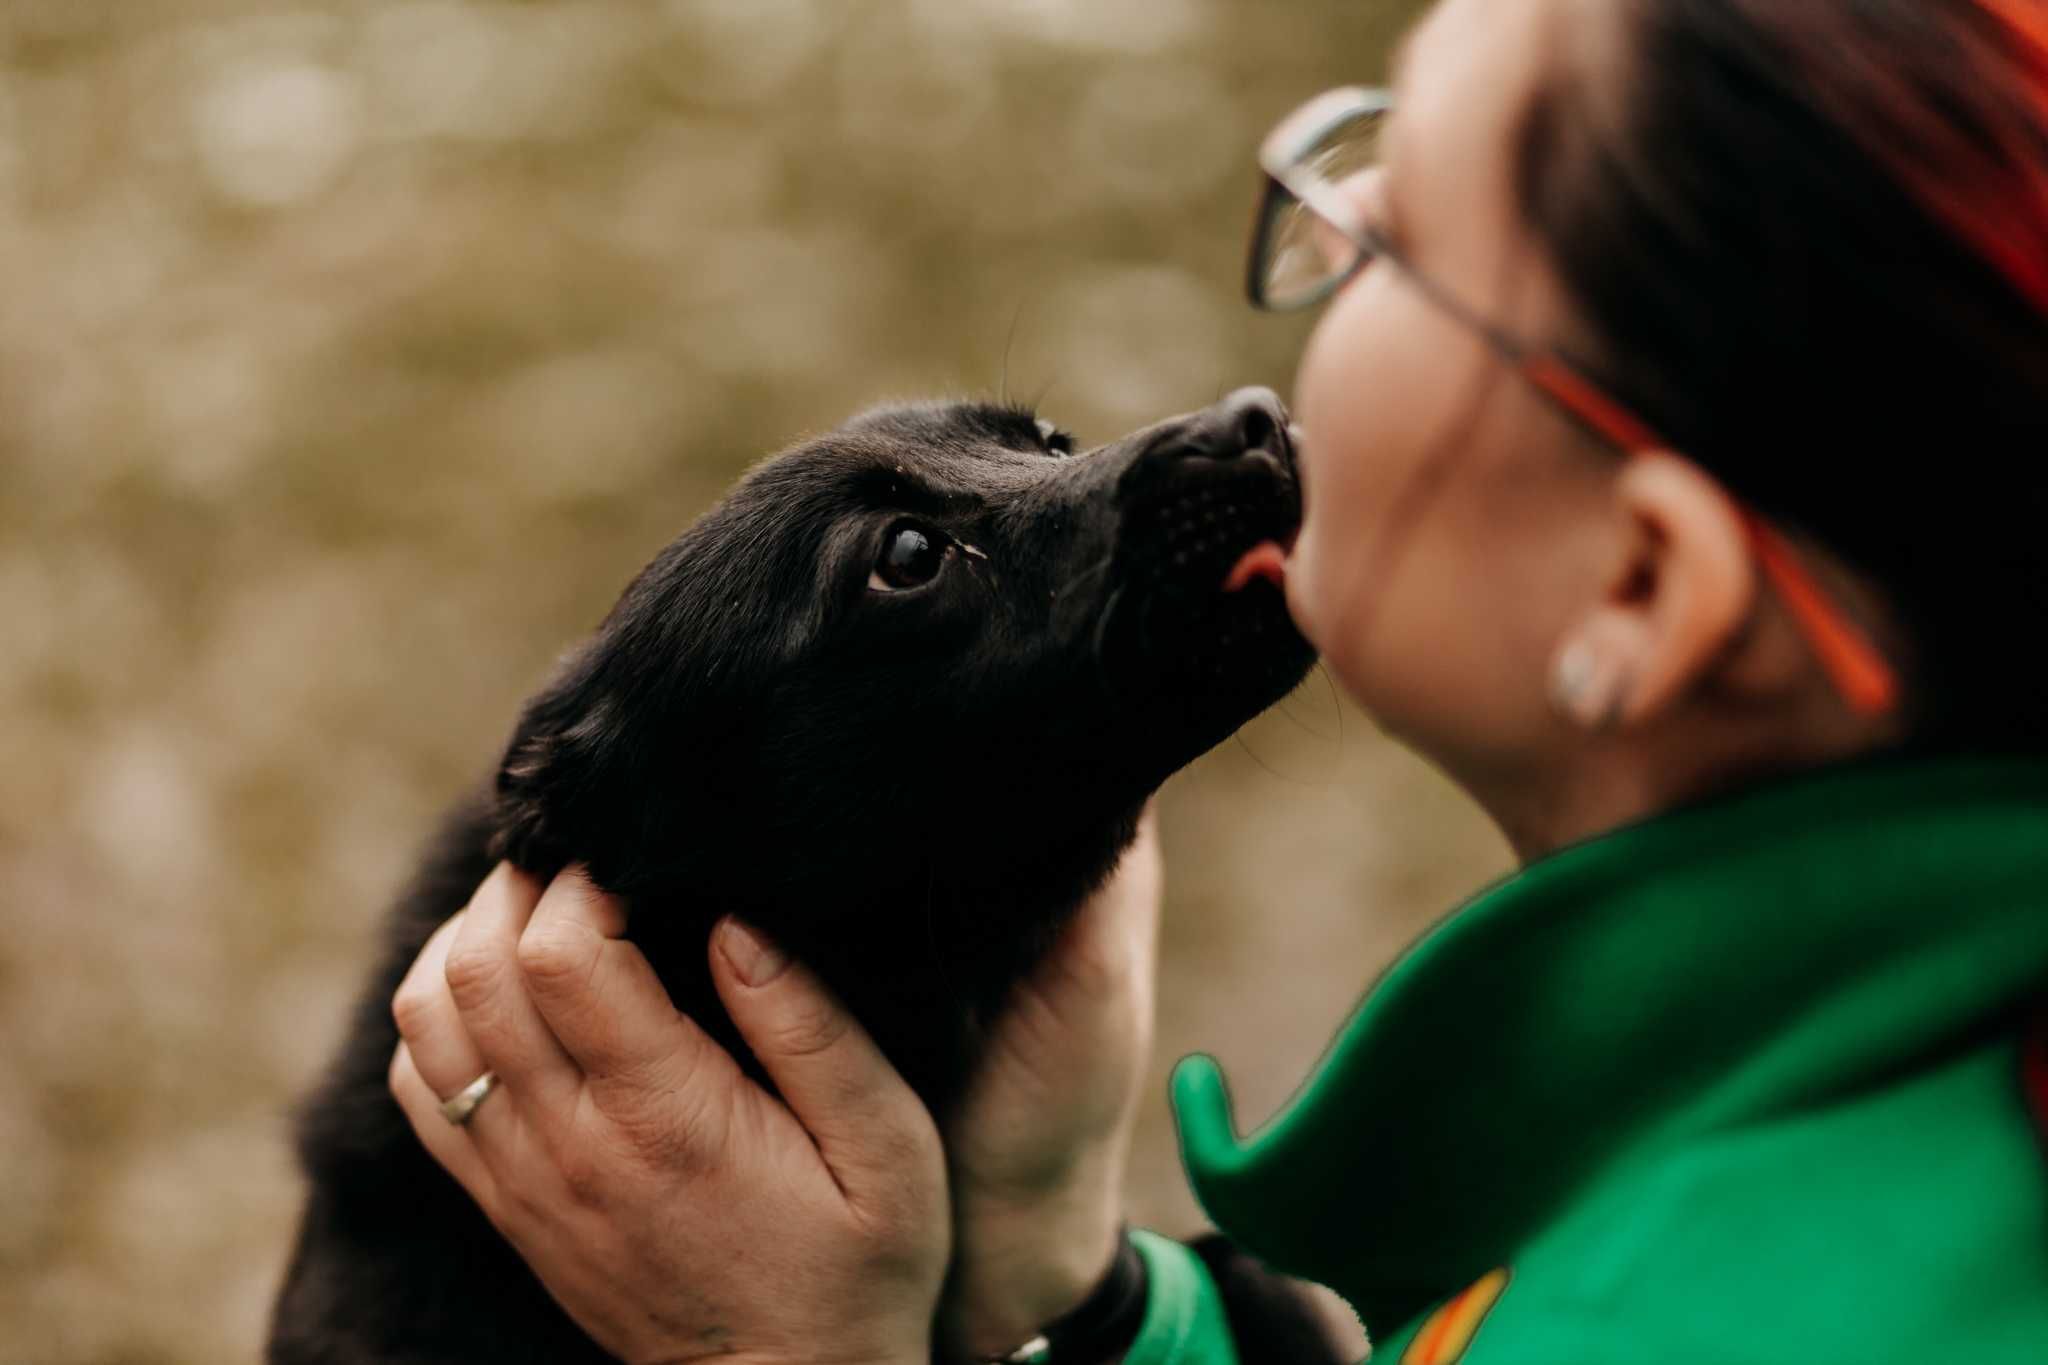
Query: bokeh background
[{"x": 353, "y": 355}]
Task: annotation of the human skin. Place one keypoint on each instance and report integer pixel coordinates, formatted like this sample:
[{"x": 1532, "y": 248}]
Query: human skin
[
  {"x": 1460, "y": 539},
  {"x": 669, "y": 1203}
]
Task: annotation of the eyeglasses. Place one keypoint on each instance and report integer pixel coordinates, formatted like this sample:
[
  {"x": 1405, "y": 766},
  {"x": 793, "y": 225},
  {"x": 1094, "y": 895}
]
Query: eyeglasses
[{"x": 1313, "y": 233}]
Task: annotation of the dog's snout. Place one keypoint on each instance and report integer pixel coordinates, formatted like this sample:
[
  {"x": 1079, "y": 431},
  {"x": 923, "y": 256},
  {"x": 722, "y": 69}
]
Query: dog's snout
[{"x": 1249, "y": 419}]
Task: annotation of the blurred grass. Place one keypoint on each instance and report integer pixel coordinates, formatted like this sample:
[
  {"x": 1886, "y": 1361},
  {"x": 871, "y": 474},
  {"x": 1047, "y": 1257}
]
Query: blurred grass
[{"x": 354, "y": 355}]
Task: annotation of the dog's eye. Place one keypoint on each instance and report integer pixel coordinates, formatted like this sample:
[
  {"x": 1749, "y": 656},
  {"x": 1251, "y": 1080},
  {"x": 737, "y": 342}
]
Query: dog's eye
[
  {"x": 1055, "y": 440},
  {"x": 911, "y": 557}
]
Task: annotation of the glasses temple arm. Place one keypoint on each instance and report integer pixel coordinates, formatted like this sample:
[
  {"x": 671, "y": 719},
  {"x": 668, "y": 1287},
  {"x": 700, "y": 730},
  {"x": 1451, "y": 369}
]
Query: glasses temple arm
[
  {"x": 1860, "y": 673},
  {"x": 1858, "y": 670}
]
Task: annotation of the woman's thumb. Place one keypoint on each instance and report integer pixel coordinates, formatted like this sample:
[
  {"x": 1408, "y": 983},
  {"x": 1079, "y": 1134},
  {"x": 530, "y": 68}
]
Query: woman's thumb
[
  {"x": 1109, "y": 950},
  {"x": 861, "y": 1114}
]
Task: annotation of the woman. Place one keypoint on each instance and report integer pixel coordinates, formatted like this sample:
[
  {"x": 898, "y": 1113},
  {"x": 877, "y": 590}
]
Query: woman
[{"x": 1674, "y": 443}]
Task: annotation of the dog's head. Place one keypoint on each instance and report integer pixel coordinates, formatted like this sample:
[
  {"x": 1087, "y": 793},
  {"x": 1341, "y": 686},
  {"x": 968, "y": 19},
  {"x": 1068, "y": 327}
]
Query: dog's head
[{"x": 935, "y": 648}]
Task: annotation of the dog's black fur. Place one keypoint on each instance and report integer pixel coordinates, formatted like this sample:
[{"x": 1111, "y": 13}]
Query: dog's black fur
[{"x": 910, "y": 789}]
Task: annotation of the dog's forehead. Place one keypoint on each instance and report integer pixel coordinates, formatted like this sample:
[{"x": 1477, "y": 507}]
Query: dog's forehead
[
  {"x": 964, "y": 450},
  {"x": 949, "y": 423}
]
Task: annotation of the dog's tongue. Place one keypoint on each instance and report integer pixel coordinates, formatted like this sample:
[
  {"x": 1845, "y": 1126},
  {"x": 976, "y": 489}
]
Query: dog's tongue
[{"x": 1264, "y": 560}]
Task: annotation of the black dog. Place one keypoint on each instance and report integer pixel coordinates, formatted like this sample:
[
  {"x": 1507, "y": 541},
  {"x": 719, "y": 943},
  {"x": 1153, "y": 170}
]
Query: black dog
[{"x": 899, "y": 699}]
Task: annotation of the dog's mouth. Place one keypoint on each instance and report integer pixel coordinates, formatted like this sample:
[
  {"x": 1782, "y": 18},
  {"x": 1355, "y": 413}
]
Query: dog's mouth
[
  {"x": 1266, "y": 561},
  {"x": 1201, "y": 569}
]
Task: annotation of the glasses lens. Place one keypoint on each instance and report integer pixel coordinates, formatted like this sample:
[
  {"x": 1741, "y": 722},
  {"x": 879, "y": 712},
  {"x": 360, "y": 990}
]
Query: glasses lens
[{"x": 1304, "y": 250}]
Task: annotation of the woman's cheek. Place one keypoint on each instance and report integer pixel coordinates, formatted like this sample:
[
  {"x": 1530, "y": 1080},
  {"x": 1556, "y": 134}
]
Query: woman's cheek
[
  {"x": 1367, "y": 395},
  {"x": 1340, "y": 468}
]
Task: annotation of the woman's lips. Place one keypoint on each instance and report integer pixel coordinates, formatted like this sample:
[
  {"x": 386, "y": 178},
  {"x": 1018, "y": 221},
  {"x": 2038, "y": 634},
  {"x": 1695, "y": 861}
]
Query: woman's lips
[{"x": 1267, "y": 560}]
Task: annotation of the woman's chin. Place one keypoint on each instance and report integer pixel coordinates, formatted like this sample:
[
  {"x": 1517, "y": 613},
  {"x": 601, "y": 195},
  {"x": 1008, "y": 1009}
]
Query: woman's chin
[{"x": 1295, "y": 587}]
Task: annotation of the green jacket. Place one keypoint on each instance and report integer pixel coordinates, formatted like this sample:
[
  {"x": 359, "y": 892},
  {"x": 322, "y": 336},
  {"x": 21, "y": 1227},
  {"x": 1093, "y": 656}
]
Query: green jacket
[{"x": 1739, "y": 1084}]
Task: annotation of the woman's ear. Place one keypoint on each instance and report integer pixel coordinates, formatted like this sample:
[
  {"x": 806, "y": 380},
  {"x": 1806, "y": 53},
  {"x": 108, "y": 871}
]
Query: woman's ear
[{"x": 1681, "y": 589}]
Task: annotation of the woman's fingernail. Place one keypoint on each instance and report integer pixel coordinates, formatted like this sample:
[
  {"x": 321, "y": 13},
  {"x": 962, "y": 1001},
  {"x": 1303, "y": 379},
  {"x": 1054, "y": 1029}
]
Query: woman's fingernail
[{"x": 753, "y": 957}]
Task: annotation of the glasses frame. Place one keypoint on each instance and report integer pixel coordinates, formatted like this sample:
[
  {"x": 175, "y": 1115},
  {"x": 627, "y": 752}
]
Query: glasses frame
[{"x": 1853, "y": 663}]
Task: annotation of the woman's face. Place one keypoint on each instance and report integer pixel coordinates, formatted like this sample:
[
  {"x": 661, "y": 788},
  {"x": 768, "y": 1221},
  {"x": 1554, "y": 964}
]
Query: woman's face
[{"x": 1453, "y": 519}]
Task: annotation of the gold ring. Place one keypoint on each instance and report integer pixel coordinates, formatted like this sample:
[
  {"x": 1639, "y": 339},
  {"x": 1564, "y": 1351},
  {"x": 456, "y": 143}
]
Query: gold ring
[{"x": 463, "y": 1103}]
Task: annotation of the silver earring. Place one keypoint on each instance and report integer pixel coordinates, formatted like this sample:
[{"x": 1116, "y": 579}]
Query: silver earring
[
  {"x": 1587, "y": 689},
  {"x": 1570, "y": 675}
]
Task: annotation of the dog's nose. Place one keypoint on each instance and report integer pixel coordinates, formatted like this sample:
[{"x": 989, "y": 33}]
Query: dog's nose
[
  {"x": 1259, "y": 419},
  {"x": 1248, "y": 419}
]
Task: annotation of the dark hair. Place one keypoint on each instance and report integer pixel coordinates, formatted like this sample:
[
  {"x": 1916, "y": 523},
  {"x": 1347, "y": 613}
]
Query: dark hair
[{"x": 1809, "y": 242}]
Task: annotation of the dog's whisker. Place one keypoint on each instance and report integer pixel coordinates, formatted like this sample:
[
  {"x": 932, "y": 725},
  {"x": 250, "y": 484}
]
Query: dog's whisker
[
  {"x": 1253, "y": 754},
  {"x": 1003, "y": 375},
  {"x": 1044, "y": 392},
  {"x": 1287, "y": 713},
  {"x": 1285, "y": 706},
  {"x": 1336, "y": 705},
  {"x": 1066, "y": 601},
  {"x": 1116, "y": 598},
  {"x": 1084, "y": 575},
  {"x": 1326, "y": 780}
]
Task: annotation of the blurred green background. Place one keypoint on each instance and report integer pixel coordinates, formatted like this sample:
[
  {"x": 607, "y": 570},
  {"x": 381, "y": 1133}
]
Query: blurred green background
[{"x": 352, "y": 356}]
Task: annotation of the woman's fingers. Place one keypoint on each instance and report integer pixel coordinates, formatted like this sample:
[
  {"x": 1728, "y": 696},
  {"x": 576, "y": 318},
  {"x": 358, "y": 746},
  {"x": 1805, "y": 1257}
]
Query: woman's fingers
[
  {"x": 870, "y": 1127},
  {"x": 610, "y": 1013},
  {"x": 668, "y": 1170},
  {"x": 485, "y": 979},
  {"x": 442, "y": 1052},
  {"x": 541, "y": 989},
  {"x": 445, "y": 1142},
  {"x": 1113, "y": 941}
]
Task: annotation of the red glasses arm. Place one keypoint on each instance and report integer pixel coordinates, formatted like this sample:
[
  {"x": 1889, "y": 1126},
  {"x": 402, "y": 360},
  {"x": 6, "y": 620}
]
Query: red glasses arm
[{"x": 1852, "y": 662}]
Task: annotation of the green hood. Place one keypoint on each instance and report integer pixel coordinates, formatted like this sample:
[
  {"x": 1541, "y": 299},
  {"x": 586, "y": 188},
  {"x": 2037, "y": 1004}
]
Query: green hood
[{"x": 1708, "y": 968}]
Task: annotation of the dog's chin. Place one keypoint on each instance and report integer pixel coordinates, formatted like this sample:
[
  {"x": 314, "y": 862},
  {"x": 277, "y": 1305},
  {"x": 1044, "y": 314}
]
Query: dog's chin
[
  {"x": 1224, "y": 655},
  {"x": 1190, "y": 629}
]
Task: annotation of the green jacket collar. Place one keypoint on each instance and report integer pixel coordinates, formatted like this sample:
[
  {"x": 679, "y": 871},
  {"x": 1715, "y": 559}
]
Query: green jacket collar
[{"x": 1706, "y": 967}]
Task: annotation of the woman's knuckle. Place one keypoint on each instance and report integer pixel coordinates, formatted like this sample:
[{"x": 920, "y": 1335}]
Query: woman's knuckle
[
  {"x": 471, "y": 972},
  {"x": 413, "y": 1009},
  {"x": 676, "y": 1128},
  {"x": 603, "y": 1165},
  {"x": 527, "y": 1201},
  {"x": 896, "y": 1231},
  {"x": 584, "y": 1176},
  {"x": 667, "y": 1142},
  {"x": 811, "y": 1030},
  {"x": 547, "y": 957}
]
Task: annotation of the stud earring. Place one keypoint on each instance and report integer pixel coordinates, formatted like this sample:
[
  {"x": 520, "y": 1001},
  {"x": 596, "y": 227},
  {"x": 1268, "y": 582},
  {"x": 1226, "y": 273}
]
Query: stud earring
[{"x": 1586, "y": 688}]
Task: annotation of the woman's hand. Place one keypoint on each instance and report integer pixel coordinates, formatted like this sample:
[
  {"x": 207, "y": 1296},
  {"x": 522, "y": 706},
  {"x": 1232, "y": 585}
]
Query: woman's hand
[
  {"x": 671, "y": 1205},
  {"x": 1037, "y": 1151}
]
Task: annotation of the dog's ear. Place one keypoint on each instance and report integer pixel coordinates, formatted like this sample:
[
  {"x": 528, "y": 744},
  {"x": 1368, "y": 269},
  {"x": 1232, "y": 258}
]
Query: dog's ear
[
  {"x": 555, "y": 767},
  {"x": 595, "y": 771},
  {"x": 606, "y": 762}
]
